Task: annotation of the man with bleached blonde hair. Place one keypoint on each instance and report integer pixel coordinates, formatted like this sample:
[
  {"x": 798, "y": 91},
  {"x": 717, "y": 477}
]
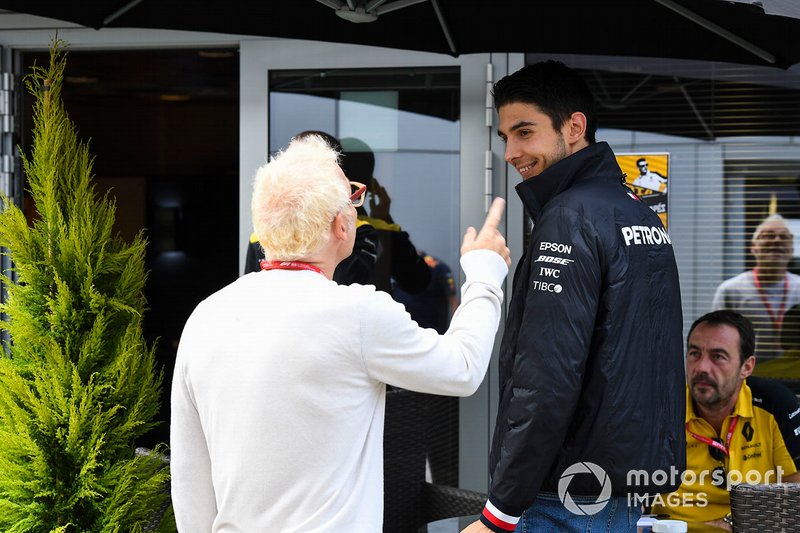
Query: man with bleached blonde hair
[
  {"x": 291, "y": 215},
  {"x": 280, "y": 380},
  {"x": 359, "y": 267}
]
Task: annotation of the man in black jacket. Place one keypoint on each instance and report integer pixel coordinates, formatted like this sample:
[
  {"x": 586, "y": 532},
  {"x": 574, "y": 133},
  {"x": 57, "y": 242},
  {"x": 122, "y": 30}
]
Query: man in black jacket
[{"x": 592, "y": 379}]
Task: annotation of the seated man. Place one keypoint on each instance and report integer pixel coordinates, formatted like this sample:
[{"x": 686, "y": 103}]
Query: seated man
[
  {"x": 738, "y": 428},
  {"x": 280, "y": 380}
]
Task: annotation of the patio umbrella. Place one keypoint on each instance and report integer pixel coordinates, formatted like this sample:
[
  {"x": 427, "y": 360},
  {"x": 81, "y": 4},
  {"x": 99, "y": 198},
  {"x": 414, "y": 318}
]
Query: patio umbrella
[{"x": 715, "y": 30}]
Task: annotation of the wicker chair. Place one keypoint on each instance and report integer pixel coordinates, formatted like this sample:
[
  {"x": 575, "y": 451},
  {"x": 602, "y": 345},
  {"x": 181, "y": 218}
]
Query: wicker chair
[
  {"x": 158, "y": 514},
  {"x": 766, "y": 508},
  {"x": 410, "y": 501}
]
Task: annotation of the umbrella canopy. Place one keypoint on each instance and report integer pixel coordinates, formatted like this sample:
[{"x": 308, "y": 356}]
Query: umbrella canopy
[{"x": 713, "y": 30}]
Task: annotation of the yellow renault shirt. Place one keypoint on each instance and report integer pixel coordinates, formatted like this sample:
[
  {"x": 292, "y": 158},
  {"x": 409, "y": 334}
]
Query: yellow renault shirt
[{"x": 765, "y": 444}]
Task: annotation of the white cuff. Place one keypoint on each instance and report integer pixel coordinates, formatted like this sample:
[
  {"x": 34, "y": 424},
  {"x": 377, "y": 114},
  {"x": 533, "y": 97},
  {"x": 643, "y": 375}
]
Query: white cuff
[{"x": 484, "y": 266}]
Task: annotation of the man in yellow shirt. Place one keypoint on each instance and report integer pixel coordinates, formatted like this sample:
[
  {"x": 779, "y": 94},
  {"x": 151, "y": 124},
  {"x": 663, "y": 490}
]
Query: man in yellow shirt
[{"x": 739, "y": 429}]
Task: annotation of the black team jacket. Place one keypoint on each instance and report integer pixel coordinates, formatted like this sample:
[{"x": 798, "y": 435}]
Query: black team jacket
[{"x": 591, "y": 362}]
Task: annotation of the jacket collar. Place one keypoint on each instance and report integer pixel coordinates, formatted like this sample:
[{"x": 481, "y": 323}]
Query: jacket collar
[{"x": 596, "y": 161}]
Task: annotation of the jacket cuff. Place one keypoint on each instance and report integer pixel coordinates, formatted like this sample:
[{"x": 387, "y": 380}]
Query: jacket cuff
[{"x": 496, "y": 520}]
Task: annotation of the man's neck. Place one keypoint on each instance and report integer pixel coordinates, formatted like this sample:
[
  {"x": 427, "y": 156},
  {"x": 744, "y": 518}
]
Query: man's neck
[
  {"x": 578, "y": 146},
  {"x": 768, "y": 275},
  {"x": 323, "y": 262},
  {"x": 715, "y": 415}
]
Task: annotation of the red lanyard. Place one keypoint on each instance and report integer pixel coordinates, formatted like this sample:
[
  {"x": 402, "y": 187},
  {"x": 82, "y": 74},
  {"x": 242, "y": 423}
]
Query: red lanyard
[
  {"x": 289, "y": 265},
  {"x": 776, "y": 320},
  {"x": 716, "y": 444}
]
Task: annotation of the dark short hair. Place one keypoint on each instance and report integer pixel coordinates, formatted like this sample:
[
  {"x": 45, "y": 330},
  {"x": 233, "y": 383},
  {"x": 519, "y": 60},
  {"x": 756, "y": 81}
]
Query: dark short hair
[
  {"x": 557, "y": 90},
  {"x": 747, "y": 337},
  {"x": 358, "y": 160},
  {"x": 641, "y": 160}
]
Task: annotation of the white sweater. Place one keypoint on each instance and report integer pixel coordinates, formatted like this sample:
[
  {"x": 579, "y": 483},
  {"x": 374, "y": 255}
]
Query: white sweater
[{"x": 279, "y": 390}]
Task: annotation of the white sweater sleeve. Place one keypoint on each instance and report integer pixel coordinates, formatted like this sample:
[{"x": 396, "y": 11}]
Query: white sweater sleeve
[
  {"x": 719, "y": 301},
  {"x": 398, "y": 352},
  {"x": 193, "y": 497}
]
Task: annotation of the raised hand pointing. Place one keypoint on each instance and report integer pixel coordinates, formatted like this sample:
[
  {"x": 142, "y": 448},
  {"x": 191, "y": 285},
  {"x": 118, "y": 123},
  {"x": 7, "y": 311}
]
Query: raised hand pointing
[{"x": 489, "y": 238}]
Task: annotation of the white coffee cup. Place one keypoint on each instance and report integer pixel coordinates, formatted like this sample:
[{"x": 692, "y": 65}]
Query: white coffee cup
[{"x": 669, "y": 526}]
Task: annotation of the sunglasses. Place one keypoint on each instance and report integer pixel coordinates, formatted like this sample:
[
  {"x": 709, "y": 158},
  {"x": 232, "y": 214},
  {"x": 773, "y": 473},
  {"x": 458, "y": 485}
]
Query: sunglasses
[
  {"x": 715, "y": 452},
  {"x": 719, "y": 476},
  {"x": 358, "y": 191}
]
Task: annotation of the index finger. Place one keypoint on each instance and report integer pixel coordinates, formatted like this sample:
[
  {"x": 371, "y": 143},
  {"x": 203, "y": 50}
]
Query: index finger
[{"x": 494, "y": 215}]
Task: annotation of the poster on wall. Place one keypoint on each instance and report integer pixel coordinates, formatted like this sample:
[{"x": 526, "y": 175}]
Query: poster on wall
[{"x": 647, "y": 175}]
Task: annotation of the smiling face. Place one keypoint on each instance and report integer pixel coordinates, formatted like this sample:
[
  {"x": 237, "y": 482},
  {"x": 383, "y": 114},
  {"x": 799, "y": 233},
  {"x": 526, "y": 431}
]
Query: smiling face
[
  {"x": 773, "y": 245},
  {"x": 714, "y": 368},
  {"x": 532, "y": 143}
]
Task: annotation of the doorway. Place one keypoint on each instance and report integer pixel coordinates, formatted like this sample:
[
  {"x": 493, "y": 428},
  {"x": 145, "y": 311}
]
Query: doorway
[
  {"x": 369, "y": 87},
  {"x": 163, "y": 127}
]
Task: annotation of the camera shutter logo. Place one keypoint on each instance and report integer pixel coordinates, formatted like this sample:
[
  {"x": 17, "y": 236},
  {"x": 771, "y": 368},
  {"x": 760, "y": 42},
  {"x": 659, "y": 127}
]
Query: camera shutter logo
[{"x": 586, "y": 509}]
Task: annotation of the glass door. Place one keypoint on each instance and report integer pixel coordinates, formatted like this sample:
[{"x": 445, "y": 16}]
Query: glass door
[
  {"x": 399, "y": 131},
  {"x": 399, "y": 135},
  {"x": 413, "y": 126}
]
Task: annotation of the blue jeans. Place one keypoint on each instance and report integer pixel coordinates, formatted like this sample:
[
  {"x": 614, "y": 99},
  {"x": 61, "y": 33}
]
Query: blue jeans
[{"x": 548, "y": 515}]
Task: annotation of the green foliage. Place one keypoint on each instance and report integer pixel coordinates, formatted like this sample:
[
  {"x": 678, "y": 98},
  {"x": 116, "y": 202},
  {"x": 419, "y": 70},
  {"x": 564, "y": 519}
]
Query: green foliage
[{"x": 80, "y": 385}]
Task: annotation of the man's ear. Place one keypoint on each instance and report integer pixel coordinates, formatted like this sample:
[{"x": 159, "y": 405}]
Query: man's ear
[
  {"x": 575, "y": 127},
  {"x": 747, "y": 367},
  {"x": 339, "y": 226}
]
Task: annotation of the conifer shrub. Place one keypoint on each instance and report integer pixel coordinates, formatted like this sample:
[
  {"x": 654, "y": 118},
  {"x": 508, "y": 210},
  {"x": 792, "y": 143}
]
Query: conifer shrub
[{"x": 78, "y": 384}]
